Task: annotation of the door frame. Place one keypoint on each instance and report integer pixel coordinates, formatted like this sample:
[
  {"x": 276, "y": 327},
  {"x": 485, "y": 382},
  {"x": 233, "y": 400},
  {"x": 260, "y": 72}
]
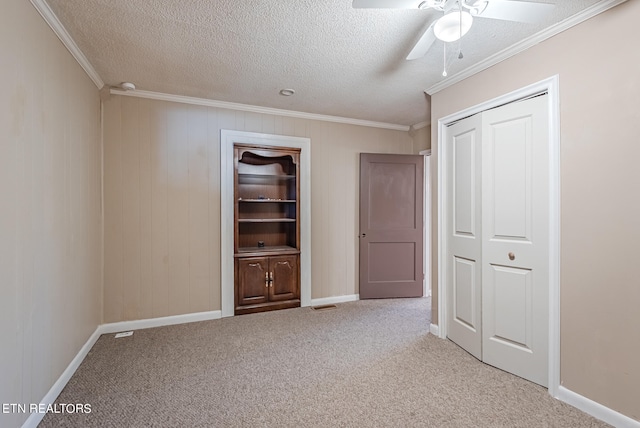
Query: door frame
[
  {"x": 550, "y": 86},
  {"x": 227, "y": 139},
  {"x": 427, "y": 223}
]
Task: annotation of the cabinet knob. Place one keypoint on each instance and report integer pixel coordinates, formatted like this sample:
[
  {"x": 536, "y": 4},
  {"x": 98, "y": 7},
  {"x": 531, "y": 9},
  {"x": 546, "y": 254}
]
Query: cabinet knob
[{"x": 512, "y": 256}]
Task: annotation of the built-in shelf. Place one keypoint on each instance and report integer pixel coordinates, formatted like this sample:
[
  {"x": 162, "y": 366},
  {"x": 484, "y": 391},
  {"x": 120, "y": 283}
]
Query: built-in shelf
[
  {"x": 245, "y": 178},
  {"x": 266, "y": 220},
  {"x": 288, "y": 201},
  {"x": 279, "y": 248},
  {"x": 267, "y": 232}
]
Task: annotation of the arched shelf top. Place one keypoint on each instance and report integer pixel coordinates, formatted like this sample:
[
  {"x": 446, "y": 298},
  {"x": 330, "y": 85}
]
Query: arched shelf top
[{"x": 293, "y": 154}]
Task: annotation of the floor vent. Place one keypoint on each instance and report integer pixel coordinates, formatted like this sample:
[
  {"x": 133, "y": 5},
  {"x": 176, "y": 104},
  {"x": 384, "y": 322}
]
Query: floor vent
[{"x": 323, "y": 307}]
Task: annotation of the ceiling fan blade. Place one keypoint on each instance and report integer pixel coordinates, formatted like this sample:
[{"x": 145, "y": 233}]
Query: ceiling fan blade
[
  {"x": 386, "y": 4},
  {"x": 423, "y": 45},
  {"x": 519, "y": 11}
]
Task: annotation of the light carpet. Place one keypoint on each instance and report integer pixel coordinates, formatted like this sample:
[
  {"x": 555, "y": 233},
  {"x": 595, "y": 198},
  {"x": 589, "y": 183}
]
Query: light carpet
[{"x": 369, "y": 363}]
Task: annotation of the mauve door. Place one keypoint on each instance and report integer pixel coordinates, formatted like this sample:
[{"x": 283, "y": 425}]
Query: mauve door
[{"x": 391, "y": 225}]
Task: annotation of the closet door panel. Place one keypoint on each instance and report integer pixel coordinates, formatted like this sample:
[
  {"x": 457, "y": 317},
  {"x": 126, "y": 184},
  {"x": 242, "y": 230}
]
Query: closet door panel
[
  {"x": 464, "y": 233},
  {"x": 515, "y": 215}
]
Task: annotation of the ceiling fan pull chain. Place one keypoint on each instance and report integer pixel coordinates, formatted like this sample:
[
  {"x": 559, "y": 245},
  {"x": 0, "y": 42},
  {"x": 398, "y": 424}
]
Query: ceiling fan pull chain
[
  {"x": 460, "y": 56},
  {"x": 444, "y": 59}
]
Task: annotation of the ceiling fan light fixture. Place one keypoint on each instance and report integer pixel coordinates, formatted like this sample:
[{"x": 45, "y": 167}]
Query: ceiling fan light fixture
[{"x": 448, "y": 28}]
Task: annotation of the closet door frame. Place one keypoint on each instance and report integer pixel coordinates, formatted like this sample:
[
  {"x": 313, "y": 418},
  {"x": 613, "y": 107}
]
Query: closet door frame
[{"x": 551, "y": 87}]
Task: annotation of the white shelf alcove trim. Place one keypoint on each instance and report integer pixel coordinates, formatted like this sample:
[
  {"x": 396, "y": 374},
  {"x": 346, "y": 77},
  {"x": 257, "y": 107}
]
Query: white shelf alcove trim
[{"x": 227, "y": 139}]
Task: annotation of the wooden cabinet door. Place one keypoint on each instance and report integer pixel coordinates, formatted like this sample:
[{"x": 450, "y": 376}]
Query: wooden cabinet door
[
  {"x": 284, "y": 270},
  {"x": 252, "y": 275}
]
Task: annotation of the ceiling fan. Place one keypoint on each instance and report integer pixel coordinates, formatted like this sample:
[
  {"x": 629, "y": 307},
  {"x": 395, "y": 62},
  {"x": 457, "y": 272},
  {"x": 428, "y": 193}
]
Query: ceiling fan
[{"x": 458, "y": 16}]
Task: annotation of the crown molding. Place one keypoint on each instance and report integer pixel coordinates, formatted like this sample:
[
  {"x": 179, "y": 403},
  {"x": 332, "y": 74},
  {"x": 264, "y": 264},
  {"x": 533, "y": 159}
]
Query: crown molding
[
  {"x": 255, "y": 109},
  {"x": 50, "y": 18},
  {"x": 421, "y": 125},
  {"x": 525, "y": 44}
]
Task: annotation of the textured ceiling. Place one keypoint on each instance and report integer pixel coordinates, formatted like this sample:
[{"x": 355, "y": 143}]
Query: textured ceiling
[{"x": 340, "y": 61}]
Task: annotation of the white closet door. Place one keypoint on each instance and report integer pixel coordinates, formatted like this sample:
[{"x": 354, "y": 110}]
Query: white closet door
[
  {"x": 515, "y": 230},
  {"x": 464, "y": 234}
]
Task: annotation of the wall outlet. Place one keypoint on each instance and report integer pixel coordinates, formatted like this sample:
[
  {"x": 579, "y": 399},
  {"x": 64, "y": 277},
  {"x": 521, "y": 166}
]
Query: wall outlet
[{"x": 124, "y": 334}]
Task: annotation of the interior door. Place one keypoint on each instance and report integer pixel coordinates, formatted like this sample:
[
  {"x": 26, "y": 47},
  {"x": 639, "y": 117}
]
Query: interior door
[
  {"x": 498, "y": 237},
  {"x": 391, "y": 225},
  {"x": 515, "y": 185},
  {"x": 464, "y": 233}
]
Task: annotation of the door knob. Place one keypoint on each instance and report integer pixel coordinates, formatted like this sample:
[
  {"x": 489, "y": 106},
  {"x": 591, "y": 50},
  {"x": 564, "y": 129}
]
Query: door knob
[
  {"x": 363, "y": 235},
  {"x": 512, "y": 256}
]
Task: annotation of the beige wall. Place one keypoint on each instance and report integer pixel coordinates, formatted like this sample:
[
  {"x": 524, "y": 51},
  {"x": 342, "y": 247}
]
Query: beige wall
[
  {"x": 421, "y": 139},
  {"x": 600, "y": 204},
  {"x": 162, "y": 202},
  {"x": 50, "y": 214}
]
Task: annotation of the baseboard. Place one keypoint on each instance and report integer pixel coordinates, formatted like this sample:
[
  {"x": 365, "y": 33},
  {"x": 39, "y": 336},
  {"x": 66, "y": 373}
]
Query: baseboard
[
  {"x": 35, "y": 418},
  {"x": 434, "y": 329},
  {"x": 158, "y": 322},
  {"x": 596, "y": 410},
  {"x": 335, "y": 299}
]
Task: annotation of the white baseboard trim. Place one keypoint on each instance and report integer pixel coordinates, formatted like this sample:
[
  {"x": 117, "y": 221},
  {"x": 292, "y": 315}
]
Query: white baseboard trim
[
  {"x": 335, "y": 299},
  {"x": 596, "y": 410},
  {"x": 434, "y": 329},
  {"x": 35, "y": 418},
  {"x": 158, "y": 322},
  {"x": 56, "y": 389}
]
